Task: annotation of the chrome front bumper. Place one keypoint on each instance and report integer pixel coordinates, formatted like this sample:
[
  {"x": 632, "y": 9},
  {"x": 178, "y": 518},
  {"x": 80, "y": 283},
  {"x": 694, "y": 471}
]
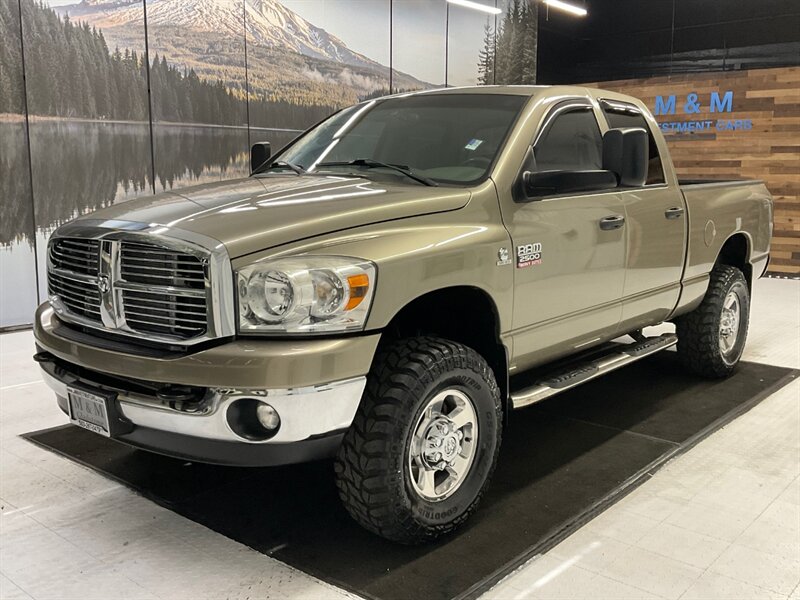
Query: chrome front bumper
[
  {"x": 312, "y": 420},
  {"x": 304, "y": 413}
]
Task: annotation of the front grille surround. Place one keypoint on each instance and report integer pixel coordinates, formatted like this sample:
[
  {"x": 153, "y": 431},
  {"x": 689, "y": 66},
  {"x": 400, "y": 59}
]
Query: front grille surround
[{"x": 171, "y": 286}]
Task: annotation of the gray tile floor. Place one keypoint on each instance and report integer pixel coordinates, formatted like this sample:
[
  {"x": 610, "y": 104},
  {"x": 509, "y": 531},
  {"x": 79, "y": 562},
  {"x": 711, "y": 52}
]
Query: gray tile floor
[{"x": 722, "y": 521}]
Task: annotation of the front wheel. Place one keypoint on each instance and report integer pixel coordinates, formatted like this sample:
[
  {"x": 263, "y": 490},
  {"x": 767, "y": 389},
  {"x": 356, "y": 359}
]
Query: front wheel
[
  {"x": 711, "y": 338},
  {"x": 424, "y": 442}
]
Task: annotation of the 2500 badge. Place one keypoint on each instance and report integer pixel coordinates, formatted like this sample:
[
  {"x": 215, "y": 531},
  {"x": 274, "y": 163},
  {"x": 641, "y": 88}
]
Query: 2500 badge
[{"x": 529, "y": 255}]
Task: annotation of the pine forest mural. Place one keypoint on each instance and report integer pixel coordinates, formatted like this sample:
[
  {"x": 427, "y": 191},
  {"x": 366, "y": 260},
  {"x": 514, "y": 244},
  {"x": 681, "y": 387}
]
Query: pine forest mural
[{"x": 81, "y": 131}]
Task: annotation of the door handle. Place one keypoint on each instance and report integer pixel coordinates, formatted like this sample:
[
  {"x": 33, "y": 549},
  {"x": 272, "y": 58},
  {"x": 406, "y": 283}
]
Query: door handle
[
  {"x": 612, "y": 222},
  {"x": 676, "y": 212}
]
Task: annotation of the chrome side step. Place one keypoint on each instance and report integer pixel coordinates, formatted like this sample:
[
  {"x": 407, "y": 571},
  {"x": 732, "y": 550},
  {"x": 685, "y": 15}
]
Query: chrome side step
[{"x": 587, "y": 371}]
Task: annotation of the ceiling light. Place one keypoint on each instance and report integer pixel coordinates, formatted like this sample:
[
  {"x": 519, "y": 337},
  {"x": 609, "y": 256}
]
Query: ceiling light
[
  {"x": 566, "y": 7},
  {"x": 477, "y": 6}
]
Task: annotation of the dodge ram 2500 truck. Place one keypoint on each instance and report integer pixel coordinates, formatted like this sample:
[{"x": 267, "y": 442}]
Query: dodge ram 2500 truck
[{"x": 390, "y": 285}]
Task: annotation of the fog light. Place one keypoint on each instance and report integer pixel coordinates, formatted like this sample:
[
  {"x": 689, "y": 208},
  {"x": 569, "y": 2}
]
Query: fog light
[
  {"x": 267, "y": 416},
  {"x": 253, "y": 419}
]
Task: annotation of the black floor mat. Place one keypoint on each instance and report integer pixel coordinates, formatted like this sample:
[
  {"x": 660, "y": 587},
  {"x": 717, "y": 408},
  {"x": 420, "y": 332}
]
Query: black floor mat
[{"x": 562, "y": 462}]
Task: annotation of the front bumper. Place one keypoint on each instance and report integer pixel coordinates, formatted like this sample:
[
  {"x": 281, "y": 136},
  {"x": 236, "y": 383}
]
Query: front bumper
[{"x": 313, "y": 414}]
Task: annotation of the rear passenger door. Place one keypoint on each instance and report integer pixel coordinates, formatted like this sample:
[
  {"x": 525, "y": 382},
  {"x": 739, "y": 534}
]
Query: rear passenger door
[
  {"x": 569, "y": 271},
  {"x": 655, "y": 225}
]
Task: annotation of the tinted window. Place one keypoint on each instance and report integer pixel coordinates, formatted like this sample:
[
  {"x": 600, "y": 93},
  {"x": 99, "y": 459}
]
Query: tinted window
[
  {"x": 570, "y": 141},
  {"x": 620, "y": 115},
  {"x": 452, "y": 138}
]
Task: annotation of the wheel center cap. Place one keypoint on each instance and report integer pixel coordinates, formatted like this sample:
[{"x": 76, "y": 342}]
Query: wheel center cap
[{"x": 450, "y": 447}]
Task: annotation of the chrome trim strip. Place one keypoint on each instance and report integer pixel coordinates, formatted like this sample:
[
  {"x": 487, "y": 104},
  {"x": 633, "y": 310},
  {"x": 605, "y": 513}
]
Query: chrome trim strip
[
  {"x": 218, "y": 293},
  {"x": 158, "y": 289}
]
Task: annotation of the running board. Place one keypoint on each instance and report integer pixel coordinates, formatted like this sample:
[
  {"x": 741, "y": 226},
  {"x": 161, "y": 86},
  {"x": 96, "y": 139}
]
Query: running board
[{"x": 587, "y": 371}]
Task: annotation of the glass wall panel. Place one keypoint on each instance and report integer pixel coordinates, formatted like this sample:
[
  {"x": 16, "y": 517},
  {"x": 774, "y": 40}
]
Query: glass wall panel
[
  {"x": 87, "y": 98},
  {"x": 418, "y": 44},
  {"x": 17, "y": 259},
  {"x": 473, "y": 49},
  {"x": 197, "y": 86},
  {"x": 309, "y": 58}
]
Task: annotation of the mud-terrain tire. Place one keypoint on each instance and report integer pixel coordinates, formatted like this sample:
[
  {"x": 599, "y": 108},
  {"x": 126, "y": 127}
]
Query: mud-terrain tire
[
  {"x": 711, "y": 338},
  {"x": 418, "y": 391}
]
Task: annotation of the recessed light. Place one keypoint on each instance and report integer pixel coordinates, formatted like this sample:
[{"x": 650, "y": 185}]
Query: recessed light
[
  {"x": 477, "y": 6},
  {"x": 566, "y": 7}
]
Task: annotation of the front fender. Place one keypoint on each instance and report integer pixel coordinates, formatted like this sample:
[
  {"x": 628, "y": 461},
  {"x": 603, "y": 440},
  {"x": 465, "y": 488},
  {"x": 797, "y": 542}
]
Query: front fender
[{"x": 423, "y": 254}]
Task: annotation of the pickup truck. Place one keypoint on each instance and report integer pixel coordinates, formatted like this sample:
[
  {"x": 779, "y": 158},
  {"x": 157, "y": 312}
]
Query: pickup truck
[{"x": 389, "y": 286}]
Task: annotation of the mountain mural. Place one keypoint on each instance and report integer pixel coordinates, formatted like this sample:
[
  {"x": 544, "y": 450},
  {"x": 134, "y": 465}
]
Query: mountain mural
[{"x": 289, "y": 57}]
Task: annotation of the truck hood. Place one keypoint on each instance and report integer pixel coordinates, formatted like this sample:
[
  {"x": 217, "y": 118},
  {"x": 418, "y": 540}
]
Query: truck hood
[{"x": 256, "y": 213}]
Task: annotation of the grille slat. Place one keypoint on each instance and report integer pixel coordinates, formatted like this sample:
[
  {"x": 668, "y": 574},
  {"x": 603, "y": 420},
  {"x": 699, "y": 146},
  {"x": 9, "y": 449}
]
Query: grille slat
[
  {"x": 188, "y": 310},
  {"x": 80, "y": 256},
  {"x": 171, "y": 303},
  {"x": 129, "y": 275},
  {"x": 165, "y": 328},
  {"x": 137, "y": 314},
  {"x": 161, "y": 266},
  {"x": 173, "y": 314},
  {"x": 141, "y": 259},
  {"x": 159, "y": 257},
  {"x": 75, "y": 263},
  {"x": 76, "y": 253},
  {"x": 72, "y": 297},
  {"x": 192, "y": 302},
  {"x": 75, "y": 286},
  {"x": 130, "y": 264}
]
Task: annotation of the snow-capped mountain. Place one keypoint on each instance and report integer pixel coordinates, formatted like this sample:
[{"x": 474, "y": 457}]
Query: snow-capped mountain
[{"x": 269, "y": 23}]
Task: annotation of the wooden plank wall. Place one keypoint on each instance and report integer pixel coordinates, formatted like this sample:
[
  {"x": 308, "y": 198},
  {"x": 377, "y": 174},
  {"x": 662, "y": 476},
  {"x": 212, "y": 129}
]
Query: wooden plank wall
[{"x": 770, "y": 99}]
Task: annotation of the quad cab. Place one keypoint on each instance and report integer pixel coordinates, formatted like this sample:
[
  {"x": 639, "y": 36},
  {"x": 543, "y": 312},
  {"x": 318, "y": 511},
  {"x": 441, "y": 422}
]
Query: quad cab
[{"x": 387, "y": 288}]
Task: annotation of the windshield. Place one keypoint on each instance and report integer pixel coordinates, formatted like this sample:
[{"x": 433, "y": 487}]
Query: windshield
[{"x": 448, "y": 138}]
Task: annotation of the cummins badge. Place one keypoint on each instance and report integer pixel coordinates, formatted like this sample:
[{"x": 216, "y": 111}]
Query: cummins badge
[{"x": 502, "y": 257}]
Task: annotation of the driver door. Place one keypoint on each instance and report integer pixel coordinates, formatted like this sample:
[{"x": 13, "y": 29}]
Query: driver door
[{"x": 569, "y": 265}]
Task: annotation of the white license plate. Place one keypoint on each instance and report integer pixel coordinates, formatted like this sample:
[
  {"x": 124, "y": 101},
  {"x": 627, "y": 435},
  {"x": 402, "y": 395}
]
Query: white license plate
[{"x": 88, "y": 410}]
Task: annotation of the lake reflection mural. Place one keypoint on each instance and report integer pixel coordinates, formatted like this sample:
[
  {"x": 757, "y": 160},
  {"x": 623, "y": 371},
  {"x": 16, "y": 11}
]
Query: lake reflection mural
[{"x": 221, "y": 73}]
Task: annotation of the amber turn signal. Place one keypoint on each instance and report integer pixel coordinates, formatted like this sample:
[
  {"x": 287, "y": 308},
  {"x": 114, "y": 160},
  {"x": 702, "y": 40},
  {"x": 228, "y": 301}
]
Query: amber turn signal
[{"x": 359, "y": 284}]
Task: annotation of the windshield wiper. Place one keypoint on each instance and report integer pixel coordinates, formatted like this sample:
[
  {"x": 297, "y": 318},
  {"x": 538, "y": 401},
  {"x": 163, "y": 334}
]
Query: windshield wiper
[
  {"x": 286, "y": 165},
  {"x": 374, "y": 164}
]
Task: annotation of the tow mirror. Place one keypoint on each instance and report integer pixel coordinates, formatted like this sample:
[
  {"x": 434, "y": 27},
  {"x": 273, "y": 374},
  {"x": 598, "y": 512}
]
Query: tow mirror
[
  {"x": 626, "y": 153},
  {"x": 550, "y": 183},
  {"x": 259, "y": 154}
]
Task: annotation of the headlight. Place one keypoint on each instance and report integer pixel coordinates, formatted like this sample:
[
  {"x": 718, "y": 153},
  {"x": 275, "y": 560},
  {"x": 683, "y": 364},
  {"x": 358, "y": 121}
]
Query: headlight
[{"x": 305, "y": 295}]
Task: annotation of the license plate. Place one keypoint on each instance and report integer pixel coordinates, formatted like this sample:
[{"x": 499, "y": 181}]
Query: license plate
[{"x": 88, "y": 410}]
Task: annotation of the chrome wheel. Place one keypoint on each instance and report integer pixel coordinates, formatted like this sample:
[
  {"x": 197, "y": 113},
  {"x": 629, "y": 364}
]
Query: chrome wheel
[
  {"x": 443, "y": 445},
  {"x": 729, "y": 322}
]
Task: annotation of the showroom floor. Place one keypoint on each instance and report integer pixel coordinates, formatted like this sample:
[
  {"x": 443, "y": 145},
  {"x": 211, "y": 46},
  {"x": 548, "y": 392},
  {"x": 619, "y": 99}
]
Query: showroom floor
[{"x": 721, "y": 521}]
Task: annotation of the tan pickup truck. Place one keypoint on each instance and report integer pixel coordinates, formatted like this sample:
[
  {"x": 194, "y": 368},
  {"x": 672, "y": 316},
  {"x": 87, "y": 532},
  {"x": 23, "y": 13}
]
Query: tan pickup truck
[{"x": 380, "y": 290}]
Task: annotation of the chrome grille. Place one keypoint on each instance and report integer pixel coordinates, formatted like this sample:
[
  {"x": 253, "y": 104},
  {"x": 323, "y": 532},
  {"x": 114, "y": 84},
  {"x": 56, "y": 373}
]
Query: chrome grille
[
  {"x": 74, "y": 263},
  {"x": 133, "y": 287}
]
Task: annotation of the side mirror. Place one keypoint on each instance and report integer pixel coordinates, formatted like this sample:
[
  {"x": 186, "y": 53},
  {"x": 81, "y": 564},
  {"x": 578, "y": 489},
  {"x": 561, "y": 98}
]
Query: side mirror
[
  {"x": 626, "y": 152},
  {"x": 549, "y": 183},
  {"x": 259, "y": 154}
]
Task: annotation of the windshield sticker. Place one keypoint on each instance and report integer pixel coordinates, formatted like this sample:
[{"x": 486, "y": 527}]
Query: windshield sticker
[
  {"x": 473, "y": 144},
  {"x": 529, "y": 255}
]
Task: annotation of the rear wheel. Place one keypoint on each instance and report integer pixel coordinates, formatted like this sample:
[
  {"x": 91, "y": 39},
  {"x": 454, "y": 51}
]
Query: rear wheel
[
  {"x": 424, "y": 443},
  {"x": 711, "y": 338}
]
